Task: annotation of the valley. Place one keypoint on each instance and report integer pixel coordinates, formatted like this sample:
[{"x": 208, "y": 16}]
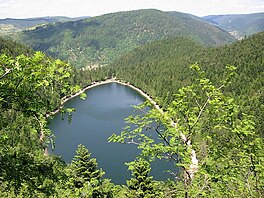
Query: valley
[
  {"x": 239, "y": 25},
  {"x": 206, "y": 87}
]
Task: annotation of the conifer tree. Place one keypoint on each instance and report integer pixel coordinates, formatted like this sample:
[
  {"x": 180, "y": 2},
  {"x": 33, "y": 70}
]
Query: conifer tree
[
  {"x": 140, "y": 184},
  {"x": 84, "y": 169}
]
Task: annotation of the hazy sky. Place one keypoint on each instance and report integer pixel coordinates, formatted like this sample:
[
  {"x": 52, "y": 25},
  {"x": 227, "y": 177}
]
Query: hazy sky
[{"x": 74, "y": 8}]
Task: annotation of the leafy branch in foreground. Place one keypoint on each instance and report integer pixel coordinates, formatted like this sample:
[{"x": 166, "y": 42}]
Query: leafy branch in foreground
[
  {"x": 33, "y": 86},
  {"x": 203, "y": 120},
  {"x": 30, "y": 88}
]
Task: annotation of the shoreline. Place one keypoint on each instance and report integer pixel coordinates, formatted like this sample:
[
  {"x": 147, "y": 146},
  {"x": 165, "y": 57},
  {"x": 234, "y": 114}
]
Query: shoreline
[
  {"x": 95, "y": 84},
  {"x": 194, "y": 161}
]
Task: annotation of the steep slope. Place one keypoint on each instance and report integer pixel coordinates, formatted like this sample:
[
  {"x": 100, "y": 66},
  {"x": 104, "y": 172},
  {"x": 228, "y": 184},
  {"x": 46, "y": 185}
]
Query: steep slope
[
  {"x": 210, "y": 35},
  {"x": 99, "y": 40},
  {"x": 162, "y": 67},
  {"x": 238, "y": 25},
  {"x": 10, "y": 25}
]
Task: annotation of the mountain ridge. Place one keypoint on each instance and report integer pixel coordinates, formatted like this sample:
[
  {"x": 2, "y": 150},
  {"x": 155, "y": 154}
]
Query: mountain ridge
[
  {"x": 12, "y": 25},
  {"x": 99, "y": 40},
  {"x": 239, "y": 25}
]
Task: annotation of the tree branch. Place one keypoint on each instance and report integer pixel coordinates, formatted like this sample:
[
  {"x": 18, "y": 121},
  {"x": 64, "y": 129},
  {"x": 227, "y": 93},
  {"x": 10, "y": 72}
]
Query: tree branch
[
  {"x": 41, "y": 138},
  {"x": 201, "y": 112},
  {"x": 198, "y": 104},
  {"x": 7, "y": 71},
  {"x": 133, "y": 142},
  {"x": 160, "y": 134}
]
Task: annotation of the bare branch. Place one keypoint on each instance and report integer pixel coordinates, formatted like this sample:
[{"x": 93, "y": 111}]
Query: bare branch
[
  {"x": 175, "y": 175},
  {"x": 221, "y": 87},
  {"x": 7, "y": 71},
  {"x": 164, "y": 138},
  {"x": 133, "y": 142},
  {"x": 41, "y": 138},
  {"x": 198, "y": 104},
  {"x": 171, "y": 157},
  {"x": 201, "y": 112}
]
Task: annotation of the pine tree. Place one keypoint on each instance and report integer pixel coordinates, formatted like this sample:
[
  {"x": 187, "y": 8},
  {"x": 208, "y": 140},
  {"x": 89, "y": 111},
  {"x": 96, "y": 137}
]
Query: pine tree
[
  {"x": 141, "y": 183},
  {"x": 84, "y": 169}
]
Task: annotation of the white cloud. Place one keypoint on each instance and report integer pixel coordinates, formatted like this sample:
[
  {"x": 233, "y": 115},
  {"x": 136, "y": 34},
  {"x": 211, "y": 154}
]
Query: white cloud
[{"x": 33, "y": 8}]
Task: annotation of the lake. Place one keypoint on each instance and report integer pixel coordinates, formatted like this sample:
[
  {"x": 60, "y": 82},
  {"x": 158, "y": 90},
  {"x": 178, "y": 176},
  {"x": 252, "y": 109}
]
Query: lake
[{"x": 96, "y": 118}]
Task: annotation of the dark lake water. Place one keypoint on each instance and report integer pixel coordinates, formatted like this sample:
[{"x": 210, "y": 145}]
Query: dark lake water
[{"x": 96, "y": 118}]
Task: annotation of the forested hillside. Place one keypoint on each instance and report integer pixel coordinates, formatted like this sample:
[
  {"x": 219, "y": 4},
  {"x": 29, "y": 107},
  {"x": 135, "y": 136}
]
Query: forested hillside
[
  {"x": 10, "y": 47},
  {"x": 162, "y": 67},
  {"x": 99, "y": 40},
  {"x": 208, "y": 119},
  {"x": 239, "y": 25},
  {"x": 212, "y": 111}
]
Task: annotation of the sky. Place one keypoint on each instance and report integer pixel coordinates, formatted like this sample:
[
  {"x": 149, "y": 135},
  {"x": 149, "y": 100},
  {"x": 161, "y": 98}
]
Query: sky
[{"x": 77, "y": 8}]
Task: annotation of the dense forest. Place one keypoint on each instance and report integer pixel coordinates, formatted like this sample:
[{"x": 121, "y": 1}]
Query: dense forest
[
  {"x": 162, "y": 67},
  {"x": 99, "y": 40},
  {"x": 211, "y": 113},
  {"x": 12, "y": 48}
]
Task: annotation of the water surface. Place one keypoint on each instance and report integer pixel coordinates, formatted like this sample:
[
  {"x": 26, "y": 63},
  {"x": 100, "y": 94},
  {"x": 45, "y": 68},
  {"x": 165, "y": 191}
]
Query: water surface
[{"x": 96, "y": 118}]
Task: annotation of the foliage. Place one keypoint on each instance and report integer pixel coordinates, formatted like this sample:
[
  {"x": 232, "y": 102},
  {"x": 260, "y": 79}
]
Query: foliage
[
  {"x": 202, "y": 122},
  {"x": 31, "y": 88},
  {"x": 26, "y": 83},
  {"x": 84, "y": 169},
  {"x": 12, "y": 48},
  {"x": 161, "y": 68},
  {"x": 99, "y": 40},
  {"x": 84, "y": 177},
  {"x": 141, "y": 184},
  {"x": 207, "y": 120}
]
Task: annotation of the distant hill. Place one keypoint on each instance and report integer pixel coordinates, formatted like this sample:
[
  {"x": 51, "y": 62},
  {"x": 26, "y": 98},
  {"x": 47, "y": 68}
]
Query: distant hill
[
  {"x": 99, "y": 40},
  {"x": 239, "y": 25},
  {"x": 10, "y": 25}
]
